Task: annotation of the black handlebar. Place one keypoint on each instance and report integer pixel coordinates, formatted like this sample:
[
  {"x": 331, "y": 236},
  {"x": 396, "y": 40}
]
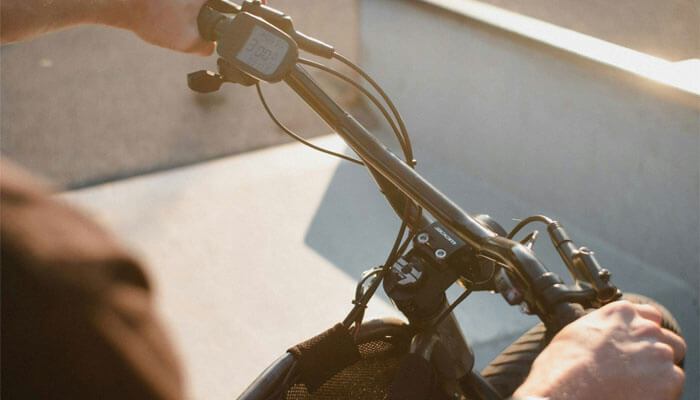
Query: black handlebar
[
  {"x": 505, "y": 251},
  {"x": 545, "y": 291}
]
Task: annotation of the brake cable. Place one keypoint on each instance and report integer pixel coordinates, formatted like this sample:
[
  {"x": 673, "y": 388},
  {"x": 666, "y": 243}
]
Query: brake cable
[{"x": 296, "y": 136}]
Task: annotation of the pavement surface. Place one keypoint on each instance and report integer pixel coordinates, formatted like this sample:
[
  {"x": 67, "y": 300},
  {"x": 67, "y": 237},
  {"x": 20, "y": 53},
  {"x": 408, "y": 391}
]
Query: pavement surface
[
  {"x": 224, "y": 244},
  {"x": 253, "y": 253},
  {"x": 94, "y": 104}
]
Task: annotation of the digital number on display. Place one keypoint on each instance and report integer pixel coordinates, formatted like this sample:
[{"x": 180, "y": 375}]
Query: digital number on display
[{"x": 263, "y": 51}]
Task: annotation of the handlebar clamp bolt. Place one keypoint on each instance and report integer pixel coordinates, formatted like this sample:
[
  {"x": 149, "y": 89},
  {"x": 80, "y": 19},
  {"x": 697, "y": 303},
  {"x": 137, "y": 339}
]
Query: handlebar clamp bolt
[
  {"x": 423, "y": 238},
  {"x": 604, "y": 275},
  {"x": 440, "y": 254}
]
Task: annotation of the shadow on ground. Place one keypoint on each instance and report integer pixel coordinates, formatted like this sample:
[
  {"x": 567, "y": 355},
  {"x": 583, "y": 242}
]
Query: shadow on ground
[{"x": 354, "y": 228}]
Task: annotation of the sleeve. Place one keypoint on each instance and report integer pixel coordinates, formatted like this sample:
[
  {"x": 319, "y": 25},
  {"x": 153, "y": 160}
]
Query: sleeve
[{"x": 77, "y": 314}]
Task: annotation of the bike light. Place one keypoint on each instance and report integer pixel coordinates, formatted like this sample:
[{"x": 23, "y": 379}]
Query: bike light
[{"x": 257, "y": 48}]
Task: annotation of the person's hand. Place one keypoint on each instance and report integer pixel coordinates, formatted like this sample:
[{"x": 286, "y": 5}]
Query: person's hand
[
  {"x": 167, "y": 23},
  {"x": 617, "y": 352}
]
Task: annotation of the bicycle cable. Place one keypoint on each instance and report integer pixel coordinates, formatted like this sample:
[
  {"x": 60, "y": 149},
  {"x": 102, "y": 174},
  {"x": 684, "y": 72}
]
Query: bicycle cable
[
  {"x": 359, "y": 290},
  {"x": 535, "y": 218},
  {"x": 410, "y": 160},
  {"x": 451, "y": 308},
  {"x": 357, "y": 313},
  {"x": 399, "y": 135},
  {"x": 399, "y": 132},
  {"x": 408, "y": 154},
  {"x": 296, "y": 136}
]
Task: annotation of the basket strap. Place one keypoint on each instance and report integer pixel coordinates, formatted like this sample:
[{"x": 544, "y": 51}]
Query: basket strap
[{"x": 324, "y": 355}]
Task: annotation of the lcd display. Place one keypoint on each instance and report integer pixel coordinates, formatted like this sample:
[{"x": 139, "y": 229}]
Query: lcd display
[{"x": 263, "y": 51}]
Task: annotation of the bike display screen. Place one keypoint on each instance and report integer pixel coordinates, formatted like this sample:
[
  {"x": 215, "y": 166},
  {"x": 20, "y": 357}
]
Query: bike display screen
[
  {"x": 263, "y": 51},
  {"x": 256, "y": 47}
]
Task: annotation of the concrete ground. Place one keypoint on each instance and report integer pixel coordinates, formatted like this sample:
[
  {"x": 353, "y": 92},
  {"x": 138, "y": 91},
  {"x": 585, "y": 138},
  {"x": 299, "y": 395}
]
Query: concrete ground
[
  {"x": 93, "y": 104},
  {"x": 254, "y": 253},
  {"x": 225, "y": 245}
]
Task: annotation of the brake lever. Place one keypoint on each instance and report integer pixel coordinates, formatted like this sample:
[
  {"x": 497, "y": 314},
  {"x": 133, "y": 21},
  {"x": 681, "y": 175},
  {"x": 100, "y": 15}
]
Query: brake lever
[{"x": 582, "y": 264}]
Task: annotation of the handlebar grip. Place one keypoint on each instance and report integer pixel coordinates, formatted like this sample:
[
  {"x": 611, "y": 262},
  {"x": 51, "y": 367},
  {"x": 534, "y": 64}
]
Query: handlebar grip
[
  {"x": 207, "y": 20},
  {"x": 564, "y": 314}
]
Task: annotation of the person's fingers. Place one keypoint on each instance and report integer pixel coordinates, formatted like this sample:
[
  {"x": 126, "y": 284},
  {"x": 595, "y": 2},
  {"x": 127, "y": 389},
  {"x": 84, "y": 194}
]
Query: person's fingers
[
  {"x": 649, "y": 312},
  {"x": 200, "y": 47},
  {"x": 678, "y": 379},
  {"x": 205, "y": 48},
  {"x": 676, "y": 342}
]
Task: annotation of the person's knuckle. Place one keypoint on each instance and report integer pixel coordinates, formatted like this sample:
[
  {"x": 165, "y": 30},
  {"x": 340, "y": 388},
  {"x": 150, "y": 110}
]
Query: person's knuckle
[
  {"x": 678, "y": 376},
  {"x": 674, "y": 380},
  {"x": 650, "y": 309},
  {"x": 623, "y": 307},
  {"x": 620, "y": 304},
  {"x": 662, "y": 351},
  {"x": 630, "y": 307},
  {"x": 646, "y": 328},
  {"x": 681, "y": 343}
]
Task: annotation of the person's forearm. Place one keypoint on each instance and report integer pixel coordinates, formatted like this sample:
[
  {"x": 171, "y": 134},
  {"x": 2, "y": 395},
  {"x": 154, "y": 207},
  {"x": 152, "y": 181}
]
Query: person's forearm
[
  {"x": 26, "y": 19},
  {"x": 166, "y": 23}
]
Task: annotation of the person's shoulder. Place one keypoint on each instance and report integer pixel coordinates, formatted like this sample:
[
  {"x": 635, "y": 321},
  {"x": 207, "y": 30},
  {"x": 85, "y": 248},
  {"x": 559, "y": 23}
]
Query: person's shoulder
[{"x": 55, "y": 244}]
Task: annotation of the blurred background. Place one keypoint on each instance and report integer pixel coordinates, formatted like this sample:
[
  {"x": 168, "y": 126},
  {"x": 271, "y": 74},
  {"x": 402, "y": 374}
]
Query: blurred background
[{"x": 586, "y": 112}]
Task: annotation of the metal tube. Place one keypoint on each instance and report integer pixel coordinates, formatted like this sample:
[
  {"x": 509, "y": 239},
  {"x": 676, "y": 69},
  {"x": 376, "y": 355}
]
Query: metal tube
[
  {"x": 379, "y": 158},
  {"x": 384, "y": 164}
]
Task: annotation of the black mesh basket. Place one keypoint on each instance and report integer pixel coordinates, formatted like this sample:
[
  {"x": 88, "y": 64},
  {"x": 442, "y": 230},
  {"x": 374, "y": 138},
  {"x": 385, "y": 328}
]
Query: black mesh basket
[
  {"x": 366, "y": 365},
  {"x": 368, "y": 378}
]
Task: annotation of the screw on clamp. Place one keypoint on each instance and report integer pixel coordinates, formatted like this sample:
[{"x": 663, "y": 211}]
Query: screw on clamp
[
  {"x": 440, "y": 254},
  {"x": 423, "y": 238}
]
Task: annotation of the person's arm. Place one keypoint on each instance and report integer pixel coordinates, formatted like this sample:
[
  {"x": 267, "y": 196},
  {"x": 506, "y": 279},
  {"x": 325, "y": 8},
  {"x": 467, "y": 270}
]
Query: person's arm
[
  {"x": 78, "y": 319},
  {"x": 167, "y": 23},
  {"x": 617, "y": 352}
]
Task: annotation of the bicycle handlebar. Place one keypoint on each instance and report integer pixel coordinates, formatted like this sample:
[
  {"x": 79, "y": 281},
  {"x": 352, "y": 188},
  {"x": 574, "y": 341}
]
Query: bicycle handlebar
[
  {"x": 413, "y": 185},
  {"x": 545, "y": 290}
]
